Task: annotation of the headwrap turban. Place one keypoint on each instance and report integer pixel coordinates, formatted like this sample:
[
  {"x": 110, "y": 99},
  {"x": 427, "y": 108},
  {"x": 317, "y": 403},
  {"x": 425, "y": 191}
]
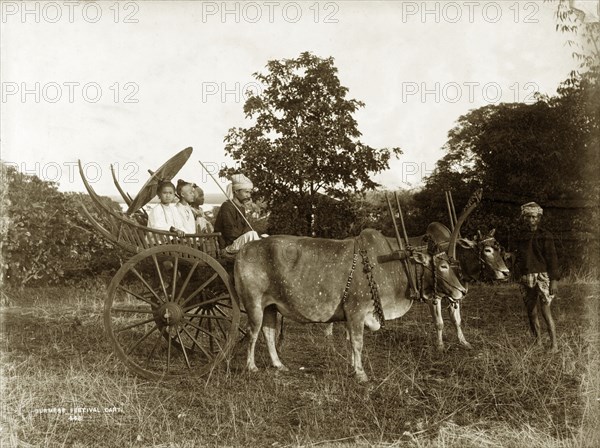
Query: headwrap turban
[
  {"x": 531, "y": 208},
  {"x": 238, "y": 182}
]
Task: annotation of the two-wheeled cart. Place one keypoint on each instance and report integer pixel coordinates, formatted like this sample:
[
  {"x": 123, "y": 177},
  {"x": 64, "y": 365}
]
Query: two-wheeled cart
[{"x": 171, "y": 308}]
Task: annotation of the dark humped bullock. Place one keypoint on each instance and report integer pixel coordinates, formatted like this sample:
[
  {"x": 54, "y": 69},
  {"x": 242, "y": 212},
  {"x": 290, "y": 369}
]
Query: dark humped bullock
[{"x": 480, "y": 258}]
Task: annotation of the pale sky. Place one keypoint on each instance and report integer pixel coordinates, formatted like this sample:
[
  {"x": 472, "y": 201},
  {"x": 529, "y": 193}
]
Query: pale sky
[{"x": 70, "y": 73}]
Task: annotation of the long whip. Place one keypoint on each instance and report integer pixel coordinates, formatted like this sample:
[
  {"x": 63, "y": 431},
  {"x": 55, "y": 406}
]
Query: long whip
[{"x": 223, "y": 191}]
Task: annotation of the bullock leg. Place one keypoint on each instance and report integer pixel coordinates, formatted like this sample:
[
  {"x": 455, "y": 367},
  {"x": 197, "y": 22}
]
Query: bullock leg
[
  {"x": 255, "y": 319},
  {"x": 547, "y": 314},
  {"x": 456, "y": 320},
  {"x": 269, "y": 330},
  {"x": 438, "y": 321},
  {"x": 531, "y": 302},
  {"x": 356, "y": 329},
  {"x": 328, "y": 332}
]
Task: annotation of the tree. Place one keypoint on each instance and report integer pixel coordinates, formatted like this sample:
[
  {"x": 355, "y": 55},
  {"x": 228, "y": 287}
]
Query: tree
[
  {"x": 546, "y": 151},
  {"x": 45, "y": 239},
  {"x": 304, "y": 142}
]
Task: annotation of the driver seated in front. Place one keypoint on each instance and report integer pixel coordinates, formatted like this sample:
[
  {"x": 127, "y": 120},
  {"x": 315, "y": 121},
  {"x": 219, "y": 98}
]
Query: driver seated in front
[{"x": 231, "y": 219}]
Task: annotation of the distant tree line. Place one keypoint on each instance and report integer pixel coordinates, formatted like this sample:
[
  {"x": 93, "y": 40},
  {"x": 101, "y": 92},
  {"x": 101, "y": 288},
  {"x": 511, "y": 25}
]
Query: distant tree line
[{"x": 314, "y": 175}]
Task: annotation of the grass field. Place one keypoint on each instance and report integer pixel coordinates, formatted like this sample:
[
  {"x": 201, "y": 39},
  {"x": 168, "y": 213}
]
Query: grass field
[{"x": 503, "y": 393}]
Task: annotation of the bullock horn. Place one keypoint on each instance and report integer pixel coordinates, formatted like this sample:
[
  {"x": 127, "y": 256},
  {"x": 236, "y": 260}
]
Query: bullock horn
[{"x": 471, "y": 204}]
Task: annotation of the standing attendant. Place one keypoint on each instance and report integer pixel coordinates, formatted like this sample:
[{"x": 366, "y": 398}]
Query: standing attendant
[
  {"x": 231, "y": 222},
  {"x": 165, "y": 216},
  {"x": 538, "y": 264}
]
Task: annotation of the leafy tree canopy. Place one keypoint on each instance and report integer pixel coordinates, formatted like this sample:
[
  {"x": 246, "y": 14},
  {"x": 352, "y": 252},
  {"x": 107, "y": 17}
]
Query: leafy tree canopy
[{"x": 304, "y": 140}]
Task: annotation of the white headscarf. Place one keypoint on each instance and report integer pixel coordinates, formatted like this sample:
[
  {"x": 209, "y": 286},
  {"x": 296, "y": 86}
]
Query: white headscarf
[
  {"x": 531, "y": 208},
  {"x": 238, "y": 182}
]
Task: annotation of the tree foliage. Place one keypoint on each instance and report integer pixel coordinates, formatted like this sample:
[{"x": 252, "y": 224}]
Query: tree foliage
[
  {"x": 304, "y": 142},
  {"x": 545, "y": 152},
  {"x": 45, "y": 239}
]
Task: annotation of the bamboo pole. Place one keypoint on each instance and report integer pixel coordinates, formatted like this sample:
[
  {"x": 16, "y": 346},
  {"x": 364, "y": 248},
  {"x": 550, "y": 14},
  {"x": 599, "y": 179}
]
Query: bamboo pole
[{"x": 449, "y": 210}]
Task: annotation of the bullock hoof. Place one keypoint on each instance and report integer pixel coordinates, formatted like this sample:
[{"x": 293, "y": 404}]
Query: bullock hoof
[
  {"x": 252, "y": 369},
  {"x": 361, "y": 377},
  {"x": 439, "y": 347},
  {"x": 466, "y": 345},
  {"x": 282, "y": 368}
]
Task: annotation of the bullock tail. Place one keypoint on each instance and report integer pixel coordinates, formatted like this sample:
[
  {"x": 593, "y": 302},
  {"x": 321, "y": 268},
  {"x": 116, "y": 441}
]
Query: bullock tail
[{"x": 280, "y": 338}]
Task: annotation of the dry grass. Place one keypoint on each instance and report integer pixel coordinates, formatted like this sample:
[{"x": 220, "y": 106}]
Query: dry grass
[{"x": 504, "y": 393}]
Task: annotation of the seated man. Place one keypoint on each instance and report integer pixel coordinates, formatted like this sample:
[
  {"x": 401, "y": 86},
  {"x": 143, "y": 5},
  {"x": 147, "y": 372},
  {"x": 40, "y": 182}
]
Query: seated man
[
  {"x": 203, "y": 225},
  {"x": 185, "y": 193},
  {"x": 231, "y": 218}
]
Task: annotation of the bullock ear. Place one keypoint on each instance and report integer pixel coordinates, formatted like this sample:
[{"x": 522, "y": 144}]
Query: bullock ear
[
  {"x": 491, "y": 234},
  {"x": 466, "y": 244},
  {"x": 421, "y": 258}
]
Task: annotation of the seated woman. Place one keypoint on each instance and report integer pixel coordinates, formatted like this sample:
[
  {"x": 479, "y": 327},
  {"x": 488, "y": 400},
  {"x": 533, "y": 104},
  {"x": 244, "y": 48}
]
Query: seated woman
[{"x": 165, "y": 216}]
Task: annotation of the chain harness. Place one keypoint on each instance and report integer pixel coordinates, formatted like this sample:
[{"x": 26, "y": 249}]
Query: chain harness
[
  {"x": 419, "y": 280},
  {"x": 368, "y": 270},
  {"x": 349, "y": 282}
]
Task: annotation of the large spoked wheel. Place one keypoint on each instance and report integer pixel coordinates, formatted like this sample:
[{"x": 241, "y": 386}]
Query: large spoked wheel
[{"x": 172, "y": 310}]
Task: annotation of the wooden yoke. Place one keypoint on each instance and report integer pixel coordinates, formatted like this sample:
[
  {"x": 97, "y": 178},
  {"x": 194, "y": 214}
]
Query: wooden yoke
[{"x": 403, "y": 253}]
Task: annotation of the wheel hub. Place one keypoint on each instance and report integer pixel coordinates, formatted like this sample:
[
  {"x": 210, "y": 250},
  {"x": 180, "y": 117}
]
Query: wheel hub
[{"x": 169, "y": 314}]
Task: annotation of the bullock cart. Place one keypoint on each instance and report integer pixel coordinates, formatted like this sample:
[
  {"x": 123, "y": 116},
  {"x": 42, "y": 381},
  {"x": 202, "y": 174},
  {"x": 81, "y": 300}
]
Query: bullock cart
[{"x": 171, "y": 308}]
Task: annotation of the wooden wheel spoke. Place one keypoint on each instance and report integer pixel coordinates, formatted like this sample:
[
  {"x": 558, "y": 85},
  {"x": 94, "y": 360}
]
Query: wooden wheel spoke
[
  {"x": 137, "y": 296},
  {"x": 158, "y": 339},
  {"x": 200, "y": 288},
  {"x": 206, "y": 353},
  {"x": 206, "y": 332},
  {"x": 175, "y": 266},
  {"x": 207, "y": 316},
  {"x": 145, "y": 283},
  {"x": 187, "y": 280},
  {"x": 187, "y": 361},
  {"x": 160, "y": 277},
  {"x": 206, "y": 302},
  {"x": 168, "y": 349},
  {"x": 198, "y": 314},
  {"x": 190, "y": 286},
  {"x": 131, "y": 310},
  {"x": 137, "y": 324},
  {"x": 218, "y": 322},
  {"x": 225, "y": 304},
  {"x": 143, "y": 338},
  {"x": 217, "y": 307}
]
